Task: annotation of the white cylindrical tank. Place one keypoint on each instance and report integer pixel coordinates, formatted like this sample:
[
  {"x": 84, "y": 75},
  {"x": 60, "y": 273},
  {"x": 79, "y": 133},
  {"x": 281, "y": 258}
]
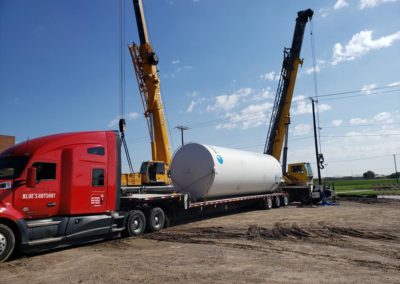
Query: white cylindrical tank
[{"x": 209, "y": 172}]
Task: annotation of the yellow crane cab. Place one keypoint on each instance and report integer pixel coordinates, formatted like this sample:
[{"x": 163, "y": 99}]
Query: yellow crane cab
[
  {"x": 300, "y": 173},
  {"x": 154, "y": 172}
]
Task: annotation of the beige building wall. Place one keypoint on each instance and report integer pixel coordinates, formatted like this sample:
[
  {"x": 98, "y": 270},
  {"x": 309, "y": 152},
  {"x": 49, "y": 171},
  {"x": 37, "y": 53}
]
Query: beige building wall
[{"x": 6, "y": 142}]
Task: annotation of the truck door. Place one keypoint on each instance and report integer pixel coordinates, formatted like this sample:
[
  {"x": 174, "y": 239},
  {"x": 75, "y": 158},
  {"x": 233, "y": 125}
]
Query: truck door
[
  {"x": 97, "y": 190},
  {"x": 43, "y": 199}
]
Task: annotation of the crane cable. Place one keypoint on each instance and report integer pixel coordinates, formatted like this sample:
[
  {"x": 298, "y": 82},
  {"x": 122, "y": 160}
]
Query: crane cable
[
  {"x": 314, "y": 61},
  {"x": 122, "y": 125}
]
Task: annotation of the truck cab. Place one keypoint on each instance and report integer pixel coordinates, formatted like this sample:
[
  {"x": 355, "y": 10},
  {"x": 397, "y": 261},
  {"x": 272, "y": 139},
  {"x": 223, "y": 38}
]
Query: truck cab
[
  {"x": 300, "y": 173},
  {"x": 57, "y": 189}
]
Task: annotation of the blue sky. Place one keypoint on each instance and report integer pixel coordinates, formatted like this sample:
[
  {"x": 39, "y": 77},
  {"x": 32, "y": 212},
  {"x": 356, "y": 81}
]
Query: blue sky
[{"x": 59, "y": 72}]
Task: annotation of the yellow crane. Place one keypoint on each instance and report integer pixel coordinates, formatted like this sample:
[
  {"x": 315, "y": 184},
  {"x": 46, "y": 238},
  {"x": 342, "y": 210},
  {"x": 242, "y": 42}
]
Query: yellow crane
[
  {"x": 298, "y": 177},
  {"x": 145, "y": 60}
]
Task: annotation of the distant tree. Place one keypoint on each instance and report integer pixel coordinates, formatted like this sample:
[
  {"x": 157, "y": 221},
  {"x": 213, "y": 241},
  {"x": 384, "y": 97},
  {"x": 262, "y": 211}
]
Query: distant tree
[
  {"x": 394, "y": 175},
  {"x": 369, "y": 175}
]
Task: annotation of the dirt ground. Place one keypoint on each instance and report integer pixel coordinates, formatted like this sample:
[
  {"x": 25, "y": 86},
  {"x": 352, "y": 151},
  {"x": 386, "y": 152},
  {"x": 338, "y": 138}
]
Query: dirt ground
[{"x": 356, "y": 242}]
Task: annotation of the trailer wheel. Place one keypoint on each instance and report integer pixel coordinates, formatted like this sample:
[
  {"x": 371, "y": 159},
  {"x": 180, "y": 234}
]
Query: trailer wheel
[
  {"x": 7, "y": 242},
  {"x": 277, "y": 202},
  {"x": 285, "y": 200},
  {"x": 135, "y": 223},
  {"x": 266, "y": 203},
  {"x": 156, "y": 219}
]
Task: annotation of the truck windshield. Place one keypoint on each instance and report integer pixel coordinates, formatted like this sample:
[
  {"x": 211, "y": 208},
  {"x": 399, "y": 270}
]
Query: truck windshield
[
  {"x": 11, "y": 167},
  {"x": 309, "y": 170}
]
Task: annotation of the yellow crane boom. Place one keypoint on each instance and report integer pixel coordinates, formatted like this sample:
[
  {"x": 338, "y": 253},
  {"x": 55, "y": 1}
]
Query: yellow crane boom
[
  {"x": 277, "y": 137},
  {"x": 145, "y": 63}
]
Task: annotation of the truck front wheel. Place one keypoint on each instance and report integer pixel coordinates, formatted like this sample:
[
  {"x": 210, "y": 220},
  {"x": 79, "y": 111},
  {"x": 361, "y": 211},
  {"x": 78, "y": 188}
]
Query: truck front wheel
[
  {"x": 135, "y": 223},
  {"x": 7, "y": 242}
]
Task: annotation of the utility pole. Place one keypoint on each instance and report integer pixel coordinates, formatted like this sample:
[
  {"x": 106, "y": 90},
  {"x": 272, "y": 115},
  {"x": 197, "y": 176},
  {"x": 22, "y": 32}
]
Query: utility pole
[
  {"x": 316, "y": 142},
  {"x": 182, "y": 128},
  {"x": 395, "y": 169}
]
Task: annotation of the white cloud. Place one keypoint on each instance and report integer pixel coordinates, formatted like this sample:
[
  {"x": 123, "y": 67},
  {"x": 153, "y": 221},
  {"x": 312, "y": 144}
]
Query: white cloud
[
  {"x": 380, "y": 118},
  {"x": 383, "y": 117},
  {"x": 311, "y": 70},
  {"x": 360, "y": 44},
  {"x": 178, "y": 69},
  {"x": 367, "y": 89},
  {"x": 394, "y": 84},
  {"x": 263, "y": 95},
  {"x": 303, "y": 106},
  {"x": 194, "y": 103},
  {"x": 337, "y": 122},
  {"x": 340, "y": 4},
  {"x": 301, "y": 129},
  {"x": 364, "y": 4},
  {"x": 130, "y": 116},
  {"x": 299, "y": 98},
  {"x": 320, "y": 64},
  {"x": 351, "y": 154},
  {"x": 229, "y": 102},
  {"x": 112, "y": 123},
  {"x": 324, "y": 12},
  {"x": 133, "y": 115},
  {"x": 251, "y": 116},
  {"x": 271, "y": 76},
  {"x": 191, "y": 106},
  {"x": 358, "y": 121}
]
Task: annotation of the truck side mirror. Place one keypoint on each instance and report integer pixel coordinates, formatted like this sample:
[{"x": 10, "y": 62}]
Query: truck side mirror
[{"x": 31, "y": 177}]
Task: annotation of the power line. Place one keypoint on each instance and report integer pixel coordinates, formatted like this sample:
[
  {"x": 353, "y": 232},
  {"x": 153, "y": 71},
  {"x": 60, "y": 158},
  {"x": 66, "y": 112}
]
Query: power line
[
  {"x": 358, "y": 91},
  {"x": 361, "y": 125},
  {"x": 362, "y": 135},
  {"x": 360, "y": 159},
  {"x": 389, "y": 92}
]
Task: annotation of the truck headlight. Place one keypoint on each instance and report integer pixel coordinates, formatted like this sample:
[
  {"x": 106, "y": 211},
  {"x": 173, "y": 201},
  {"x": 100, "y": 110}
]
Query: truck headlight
[{"x": 6, "y": 185}]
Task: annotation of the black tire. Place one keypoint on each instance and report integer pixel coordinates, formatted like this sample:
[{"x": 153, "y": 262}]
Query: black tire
[
  {"x": 305, "y": 199},
  {"x": 135, "y": 223},
  {"x": 284, "y": 200},
  {"x": 156, "y": 219},
  {"x": 7, "y": 242},
  {"x": 266, "y": 203},
  {"x": 277, "y": 202}
]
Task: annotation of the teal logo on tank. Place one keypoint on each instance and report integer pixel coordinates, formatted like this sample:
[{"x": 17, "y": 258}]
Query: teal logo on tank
[{"x": 220, "y": 159}]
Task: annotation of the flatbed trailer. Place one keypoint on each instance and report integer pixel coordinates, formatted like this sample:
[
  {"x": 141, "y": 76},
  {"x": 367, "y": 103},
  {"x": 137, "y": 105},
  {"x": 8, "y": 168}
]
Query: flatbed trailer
[{"x": 175, "y": 205}]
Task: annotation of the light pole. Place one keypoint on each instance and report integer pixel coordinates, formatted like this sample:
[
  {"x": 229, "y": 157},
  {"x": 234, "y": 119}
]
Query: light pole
[
  {"x": 395, "y": 169},
  {"x": 182, "y": 128}
]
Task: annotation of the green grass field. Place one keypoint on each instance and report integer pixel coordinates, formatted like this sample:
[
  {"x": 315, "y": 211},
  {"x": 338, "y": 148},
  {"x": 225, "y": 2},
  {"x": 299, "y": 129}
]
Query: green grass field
[
  {"x": 362, "y": 187},
  {"x": 344, "y": 185}
]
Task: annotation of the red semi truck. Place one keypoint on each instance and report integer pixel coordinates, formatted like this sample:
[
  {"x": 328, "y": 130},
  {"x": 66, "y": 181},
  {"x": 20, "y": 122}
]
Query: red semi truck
[{"x": 65, "y": 189}]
